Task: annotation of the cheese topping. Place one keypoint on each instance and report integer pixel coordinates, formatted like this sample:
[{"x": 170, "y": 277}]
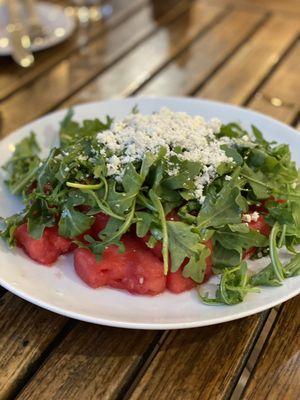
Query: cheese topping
[{"x": 129, "y": 139}]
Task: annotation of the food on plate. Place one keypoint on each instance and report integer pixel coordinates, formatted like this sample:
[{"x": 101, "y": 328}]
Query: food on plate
[{"x": 158, "y": 202}]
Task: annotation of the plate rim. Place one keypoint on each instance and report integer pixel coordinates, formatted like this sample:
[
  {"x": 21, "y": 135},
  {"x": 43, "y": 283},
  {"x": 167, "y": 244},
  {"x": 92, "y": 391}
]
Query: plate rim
[
  {"x": 151, "y": 325},
  {"x": 146, "y": 326}
]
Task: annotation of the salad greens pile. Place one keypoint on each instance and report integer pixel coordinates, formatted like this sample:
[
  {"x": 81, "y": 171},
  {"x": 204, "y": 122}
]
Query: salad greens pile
[{"x": 71, "y": 185}]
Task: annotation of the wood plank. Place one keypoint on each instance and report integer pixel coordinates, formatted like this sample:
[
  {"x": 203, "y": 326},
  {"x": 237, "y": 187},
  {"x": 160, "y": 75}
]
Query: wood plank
[
  {"x": 93, "y": 362},
  {"x": 199, "y": 363},
  {"x": 238, "y": 79},
  {"x": 12, "y": 77},
  {"x": 276, "y": 375},
  {"x": 279, "y": 96},
  {"x": 25, "y": 333},
  {"x": 186, "y": 72},
  {"x": 73, "y": 73},
  {"x": 287, "y": 7}
]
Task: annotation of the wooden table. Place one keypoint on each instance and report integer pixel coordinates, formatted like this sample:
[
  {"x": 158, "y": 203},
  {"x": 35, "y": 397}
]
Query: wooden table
[{"x": 239, "y": 51}]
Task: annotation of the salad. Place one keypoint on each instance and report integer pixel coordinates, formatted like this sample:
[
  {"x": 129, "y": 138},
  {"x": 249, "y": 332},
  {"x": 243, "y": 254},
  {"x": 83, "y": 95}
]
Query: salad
[{"x": 158, "y": 202}]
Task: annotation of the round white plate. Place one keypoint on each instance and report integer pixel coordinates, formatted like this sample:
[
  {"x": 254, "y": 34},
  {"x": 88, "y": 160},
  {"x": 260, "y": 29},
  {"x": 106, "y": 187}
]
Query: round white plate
[
  {"x": 57, "y": 24},
  {"x": 59, "y": 289}
]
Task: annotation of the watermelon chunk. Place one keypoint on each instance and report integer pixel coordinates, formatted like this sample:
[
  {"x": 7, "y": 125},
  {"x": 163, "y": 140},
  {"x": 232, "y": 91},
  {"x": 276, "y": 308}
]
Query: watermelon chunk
[
  {"x": 136, "y": 270},
  {"x": 260, "y": 225},
  {"x": 45, "y": 250},
  {"x": 177, "y": 283},
  {"x": 100, "y": 223}
]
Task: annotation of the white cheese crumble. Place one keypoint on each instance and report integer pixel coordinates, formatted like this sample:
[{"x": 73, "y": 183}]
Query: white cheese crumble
[
  {"x": 294, "y": 185},
  {"x": 130, "y": 139},
  {"x": 255, "y": 216},
  {"x": 250, "y": 217},
  {"x": 246, "y": 218}
]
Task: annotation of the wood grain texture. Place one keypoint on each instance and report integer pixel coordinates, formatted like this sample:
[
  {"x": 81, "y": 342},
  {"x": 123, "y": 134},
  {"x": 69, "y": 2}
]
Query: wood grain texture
[
  {"x": 99, "y": 363},
  {"x": 25, "y": 333},
  {"x": 71, "y": 74},
  {"x": 93, "y": 362},
  {"x": 12, "y": 77},
  {"x": 187, "y": 71},
  {"x": 279, "y": 96},
  {"x": 277, "y": 373},
  {"x": 128, "y": 74},
  {"x": 199, "y": 363},
  {"x": 237, "y": 80},
  {"x": 287, "y": 7}
]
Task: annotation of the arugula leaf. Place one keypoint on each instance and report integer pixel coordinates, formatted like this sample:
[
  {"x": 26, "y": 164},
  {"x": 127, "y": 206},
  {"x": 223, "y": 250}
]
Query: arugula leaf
[
  {"x": 232, "y": 130},
  {"x": 259, "y": 158},
  {"x": 113, "y": 232},
  {"x": 143, "y": 223},
  {"x": 159, "y": 208},
  {"x": 223, "y": 257},
  {"x": 293, "y": 266},
  {"x": 120, "y": 202},
  {"x": 147, "y": 163},
  {"x": 73, "y": 223},
  {"x": 71, "y": 131},
  {"x": 23, "y": 165},
  {"x": 234, "y": 286},
  {"x": 240, "y": 240},
  {"x": 8, "y": 227},
  {"x": 265, "y": 277},
  {"x": 196, "y": 267},
  {"x": 222, "y": 208},
  {"x": 184, "y": 179},
  {"x": 183, "y": 242},
  {"x": 40, "y": 216},
  {"x": 257, "y": 182},
  {"x": 233, "y": 153},
  {"x": 276, "y": 263}
]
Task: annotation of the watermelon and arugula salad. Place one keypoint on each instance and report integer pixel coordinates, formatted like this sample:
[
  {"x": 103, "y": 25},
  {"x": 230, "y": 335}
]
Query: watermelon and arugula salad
[{"x": 158, "y": 202}]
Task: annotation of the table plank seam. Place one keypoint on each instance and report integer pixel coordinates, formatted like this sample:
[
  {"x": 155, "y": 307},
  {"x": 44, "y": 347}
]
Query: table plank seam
[
  {"x": 142, "y": 365},
  {"x": 244, "y": 359},
  {"x": 67, "y": 328},
  {"x": 296, "y": 120},
  {"x": 268, "y": 337},
  {"x": 215, "y": 70},
  {"x": 272, "y": 70},
  {"x": 206, "y": 29}
]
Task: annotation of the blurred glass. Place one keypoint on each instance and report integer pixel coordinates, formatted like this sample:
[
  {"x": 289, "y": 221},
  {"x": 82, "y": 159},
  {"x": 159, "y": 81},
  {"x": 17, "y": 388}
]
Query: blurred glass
[{"x": 89, "y": 10}]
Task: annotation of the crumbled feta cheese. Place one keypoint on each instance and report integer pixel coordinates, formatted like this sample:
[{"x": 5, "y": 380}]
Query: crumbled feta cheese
[
  {"x": 250, "y": 217},
  {"x": 174, "y": 171},
  {"x": 245, "y": 138},
  {"x": 82, "y": 157},
  {"x": 255, "y": 216},
  {"x": 294, "y": 185},
  {"x": 131, "y": 138},
  {"x": 113, "y": 165},
  {"x": 247, "y": 218},
  {"x": 228, "y": 178}
]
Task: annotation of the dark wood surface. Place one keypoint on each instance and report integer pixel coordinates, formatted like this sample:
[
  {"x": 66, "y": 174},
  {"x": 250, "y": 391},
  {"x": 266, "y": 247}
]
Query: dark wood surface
[{"x": 245, "y": 52}]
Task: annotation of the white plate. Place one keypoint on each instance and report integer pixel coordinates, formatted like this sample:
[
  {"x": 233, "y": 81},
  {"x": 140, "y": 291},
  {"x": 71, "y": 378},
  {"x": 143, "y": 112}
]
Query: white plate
[
  {"x": 58, "y": 25},
  {"x": 59, "y": 289}
]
